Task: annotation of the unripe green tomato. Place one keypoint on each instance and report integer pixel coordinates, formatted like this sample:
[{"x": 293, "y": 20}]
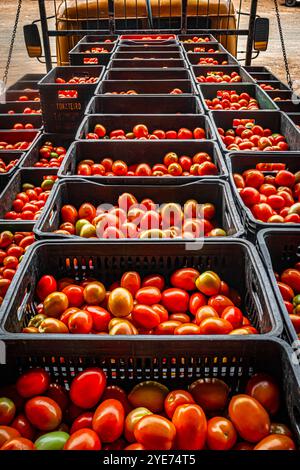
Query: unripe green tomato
[{"x": 52, "y": 441}]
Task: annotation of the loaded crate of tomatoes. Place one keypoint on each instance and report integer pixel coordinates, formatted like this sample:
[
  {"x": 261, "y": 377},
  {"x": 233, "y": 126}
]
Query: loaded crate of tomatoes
[
  {"x": 141, "y": 291},
  {"x": 17, "y": 140},
  {"x": 65, "y": 93},
  {"x": 215, "y": 48},
  {"x": 148, "y": 47},
  {"x": 144, "y": 87},
  {"x": 221, "y": 395},
  {"x": 10, "y": 122},
  {"x": 19, "y": 108},
  {"x": 22, "y": 96},
  {"x": 221, "y": 74},
  {"x": 48, "y": 151},
  {"x": 104, "y": 38},
  {"x": 89, "y": 209},
  {"x": 97, "y": 53},
  {"x": 147, "y": 74},
  {"x": 213, "y": 60},
  {"x": 279, "y": 249},
  {"x": 9, "y": 162},
  {"x": 148, "y": 54},
  {"x": 143, "y": 162},
  {"x": 267, "y": 189},
  {"x": 151, "y": 63},
  {"x": 196, "y": 38}
]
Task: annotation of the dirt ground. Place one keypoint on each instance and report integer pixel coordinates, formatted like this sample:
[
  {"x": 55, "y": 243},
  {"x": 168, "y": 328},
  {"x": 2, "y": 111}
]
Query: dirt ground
[{"x": 272, "y": 57}]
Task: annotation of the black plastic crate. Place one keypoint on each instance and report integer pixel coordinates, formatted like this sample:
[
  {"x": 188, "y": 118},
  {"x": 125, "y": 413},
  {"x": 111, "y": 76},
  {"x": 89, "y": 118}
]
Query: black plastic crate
[
  {"x": 147, "y": 74},
  {"x": 282, "y": 94},
  {"x": 194, "y": 57},
  {"x": 14, "y": 95},
  {"x": 78, "y": 54},
  {"x": 145, "y": 87},
  {"x": 277, "y": 121},
  {"x": 114, "y": 38},
  {"x": 148, "y": 47},
  {"x": 62, "y": 115},
  {"x": 276, "y": 84},
  {"x": 264, "y": 76},
  {"x": 34, "y": 77},
  {"x": 209, "y": 91},
  {"x": 77, "y": 191},
  {"x": 238, "y": 162},
  {"x": 290, "y": 107},
  {"x": 127, "y": 122},
  {"x": 12, "y": 137},
  {"x": 295, "y": 117},
  {"x": 133, "y": 40},
  {"x": 152, "y": 104},
  {"x": 7, "y": 157},
  {"x": 18, "y": 107},
  {"x": 7, "y": 122},
  {"x": 148, "y": 55},
  {"x": 14, "y": 186},
  {"x": 186, "y": 37},
  {"x": 33, "y": 155},
  {"x": 108, "y": 261},
  {"x": 24, "y": 86},
  {"x": 256, "y": 68},
  {"x": 197, "y": 70},
  {"x": 279, "y": 249},
  {"x": 189, "y": 47},
  {"x": 147, "y": 64},
  {"x": 150, "y": 152}
]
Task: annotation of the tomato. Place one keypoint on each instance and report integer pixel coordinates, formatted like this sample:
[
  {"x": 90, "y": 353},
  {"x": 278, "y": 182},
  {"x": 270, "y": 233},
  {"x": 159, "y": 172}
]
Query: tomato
[
  {"x": 208, "y": 283},
  {"x": 219, "y": 303},
  {"x": 46, "y": 285},
  {"x": 94, "y": 293},
  {"x": 196, "y": 301},
  {"x": 155, "y": 432},
  {"x": 154, "y": 280},
  {"x": 83, "y": 439},
  {"x": 215, "y": 326},
  {"x": 234, "y": 316},
  {"x": 276, "y": 442},
  {"x": 262, "y": 211},
  {"x": 264, "y": 389},
  {"x": 18, "y": 443},
  {"x": 131, "y": 281},
  {"x": 33, "y": 382},
  {"x": 148, "y": 295},
  {"x": 291, "y": 277},
  {"x": 150, "y": 395},
  {"x": 119, "y": 326},
  {"x": 279, "y": 428},
  {"x": 52, "y": 325},
  {"x": 167, "y": 327},
  {"x": 210, "y": 394},
  {"x": 144, "y": 316},
  {"x": 249, "y": 418},
  {"x": 132, "y": 419},
  {"x": 80, "y": 322},
  {"x": 69, "y": 214},
  {"x": 116, "y": 392},
  {"x": 182, "y": 317},
  {"x": 120, "y": 302},
  {"x": 187, "y": 329},
  {"x": 221, "y": 434},
  {"x": 250, "y": 196},
  {"x": 74, "y": 294},
  {"x": 59, "y": 395},
  {"x": 191, "y": 427},
  {"x": 135, "y": 446},
  {"x": 43, "y": 413},
  {"x": 175, "y": 300},
  {"x": 100, "y": 316},
  {"x": 243, "y": 446},
  {"x": 87, "y": 387},
  {"x": 7, "y": 433},
  {"x": 55, "y": 304},
  {"x": 23, "y": 426},
  {"x": 162, "y": 312},
  {"x": 108, "y": 420},
  {"x": 82, "y": 421},
  {"x": 7, "y": 410},
  {"x": 52, "y": 441},
  {"x": 184, "y": 278},
  {"x": 140, "y": 130}
]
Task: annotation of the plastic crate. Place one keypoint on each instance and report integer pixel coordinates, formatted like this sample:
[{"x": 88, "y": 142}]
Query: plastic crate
[
  {"x": 264, "y": 76},
  {"x": 189, "y": 47},
  {"x": 14, "y": 136},
  {"x": 147, "y": 74},
  {"x": 209, "y": 91},
  {"x": 77, "y": 191},
  {"x": 7, "y": 157},
  {"x": 14, "y": 186},
  {"x": 256, "y": 68},
  {"x": 108, "y": 104},
  {"x": 147, "y": 64},
  {"x": 108, "y": 261},
  {"x": 127, "y": 122},
  {"x": 148, "y": 55},
  {"x": 35, "y": 77},
  {"x": 277, "y": 84},
  {"x": 194, "y": 57},
  {"x": 90, "y": 38},
  {"x": 33, "y": 155},
  {"x": 148, "y": 47},
  {"x": 277, "y": 121},
  {"x": 197, "y": 70},
  {"x": 283, "y": 94},
  {"x": 290, "y": 107},
  {"x": 138, "y": 152},
  {"x": 295, "y": 117},
  {"x": 24, "y": 85},
  {"x": 145, "y": 87},
  {"x": 7, "y": 122},
  {"x": 14, "y": 95},
  {"x": 238, "y": 162},
  {"x": 279, "y": 249},
  {"x": 78, "y": 54},
  {"x": 18, "y": 107},
  {"x": 133, "y": 39},
  {"x": 185, "y": 37},
  {"x": 62, "y": 115}
]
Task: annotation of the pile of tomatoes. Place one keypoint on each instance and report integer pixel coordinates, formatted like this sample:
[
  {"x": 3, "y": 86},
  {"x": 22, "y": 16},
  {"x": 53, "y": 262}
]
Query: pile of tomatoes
[
  {"x": 203, "y": 49},
  {"x": 186, "y": 303},
  {"x": 29, "y": 203},
  {"x": 144, "y": 220},
  {"x": 196, "y": 39},
  {"x": 39, "y": 414},
  {"x": 289, "y": 285},
  {"x": 141, "y": 132},
  {"x": 219, "y": 77},
  {"x": 267, "y": 87},
  {"x": 273, "y": 197},
  {"x": 12, "y": 249},
  {"x": 199, "y": 165},
  {"x": 96, "y": 50},
  {"x": 22, "y": 145},
  {"x": 77, "y": 80},
  {"x": 230, "y": 99},
  {"x": 246, "y": 135},
  {"x": 26, "y": 110},
  {"x": 50, "y": 156},
  {"x": 25, "y": 98},
  {"x": 211, "y": 61},
  {"x": 175, "y": 91},
  {"x": 6, "y": 167},
  {"x": 20, "y": 126}
]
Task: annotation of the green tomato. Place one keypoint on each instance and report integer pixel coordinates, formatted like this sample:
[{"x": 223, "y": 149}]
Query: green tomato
[
  {"x": 296, "y": 300},
  {"x": 52, "y": 441},
  {"x": 296, "y": 310}
]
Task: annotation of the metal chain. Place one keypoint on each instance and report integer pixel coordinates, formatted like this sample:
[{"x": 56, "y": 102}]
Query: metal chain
[
  {"x": 286, "y": 64},
  {"x": 12, "y": 42}
]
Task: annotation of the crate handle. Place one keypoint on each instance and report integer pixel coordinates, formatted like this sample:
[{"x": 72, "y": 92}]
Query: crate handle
[
  {"x": 23, "y": 303},
  {"x": 52, "y": 215}
]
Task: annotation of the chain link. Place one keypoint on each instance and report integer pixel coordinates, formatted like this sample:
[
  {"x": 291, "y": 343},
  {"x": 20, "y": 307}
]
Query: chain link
[
  {"x": 286, "y": 64},
  {"x": 12, "y": 42}
]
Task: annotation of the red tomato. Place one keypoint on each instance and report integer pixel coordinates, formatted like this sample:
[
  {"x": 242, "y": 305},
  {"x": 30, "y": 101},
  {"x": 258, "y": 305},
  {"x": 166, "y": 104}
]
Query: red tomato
[
  {"x": 175, "y": 300},
  {"x": 7, "y": 433},
  {"x": 197, "y": 300},
  {"x": 167, "y": 327},
  {"x": 184, "y": 278},
  {"x": 154, "y": 280},
  {"x": 191, "y": 427},
  {"x": 82, "y": 421},
  {"x": 187, "y": 329},
  {"x": 155, "y": 432},
  {"x": 144, "y": 316},
  {"x": 276, "y": 442},
  {"x": 249, "y": 418},
  {"x": 234, "y": 315},
  {"x": 46, "y": 285},
  {"x": 116, "y": 392},
  {"x": 100, "y": 316},
  {"x": 291, "y": 277},
  {"x": 74, "y": 294},
  {"x": 219, "y": 303},
  {"x": 18, "y": 443},
  {"x": 148, "y": 295},
  {"x": 43, "y": 413},
  {"x": 162, "y": 312},
  {"x": 210, "y": 394},
  {"x": 69, "y": 214},
  {"x": 264, "y": 389},
  {"x": 80, "y": 322},
  {"x": 215, "y": 326},
  {"x": 23, "y": 426},
  {"x": 87, "y": 387},
  {"x": 33, "y": 382},
  {"x": 221, "y": 434},
  {"x": 131, "y": 281},
  {"x": 131, "y": 419},
  {"x": 175, "y": 399},
  {"x": 108, "y": 420},
  {"x": 83, "y": 439}
]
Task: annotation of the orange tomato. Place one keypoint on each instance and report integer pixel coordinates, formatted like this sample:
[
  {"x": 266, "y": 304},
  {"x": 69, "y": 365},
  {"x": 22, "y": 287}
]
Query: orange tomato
[
  {"x": 155, "y": 432},
  {"x": 221, "y": 434},
  {"x": 276, "y": 442},
  {"x": 249, "y": 418},
  {"x": 108, "y": 420},
  {"x": 191, "y": 427},
  {"x": 176, "y": 398},
  {"x": 264, "y": 389}
]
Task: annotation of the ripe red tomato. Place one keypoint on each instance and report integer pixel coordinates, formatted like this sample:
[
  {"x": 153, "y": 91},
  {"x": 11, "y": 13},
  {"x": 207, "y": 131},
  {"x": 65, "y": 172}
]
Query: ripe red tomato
[
  {"x": 131, "y": 281},
  {"x": 155, "y": 432},
  {"x": 83, "y": 439},
  {"x": 74, "y": 294},
  {"x": 18, "y": 443},
  {"x": 43, "y": 413},
  {"x": 148, "y": 295},
  {"x": 234, "y": 315},
  {"x": 87, "y": 387},
  {"x": 175, "y": 300},
  {"x": 215, "y": 326},
  {"x": 82, "y": 421},
  {"x": 23, "y": 426},
  {"x": 33, "y": 382},
  {"x": 116, "y": 392},
  {"x": 100, "y": 316},
  {"x": 154, "y": 280},
  {"x": 264, "y": 389},
  {"x": 69, "y": 214},
  {"x": 276, "y": 442},
  {"x": 249, "y": 418},
  {"x": 196, "y": 301},
  {"x": 144, "y": 316},
  {"x": 7, "y": 433},
  {"x": 291, "y": 277},
  {"x": 46, "y": 285},
  {"x": 176, "y": 398},
  {"x": 191, "y": 427},
  {"x": 80, "y": 322},
  {"x": 108, "y": 420},
  {"x": 59, "y": 394},
  {"x": 184, "y": 278},
  {"x": 221, "y": 434}
]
